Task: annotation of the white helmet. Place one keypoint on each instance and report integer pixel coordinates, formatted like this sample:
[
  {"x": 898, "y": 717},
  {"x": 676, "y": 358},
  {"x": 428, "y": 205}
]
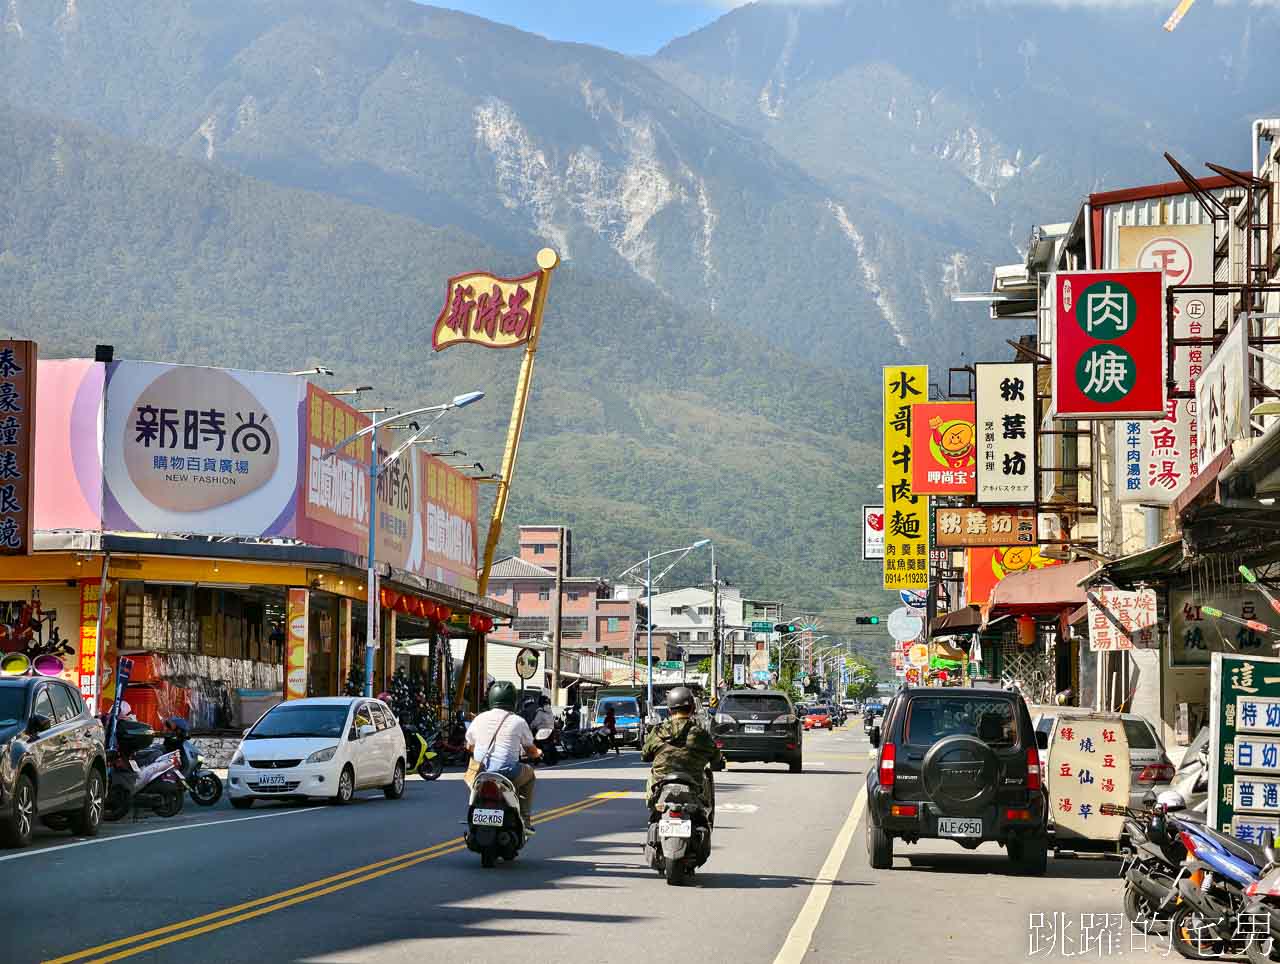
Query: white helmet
[
  {"x": 126, "y": 711},
  {"x": 1171, "y": 800}
]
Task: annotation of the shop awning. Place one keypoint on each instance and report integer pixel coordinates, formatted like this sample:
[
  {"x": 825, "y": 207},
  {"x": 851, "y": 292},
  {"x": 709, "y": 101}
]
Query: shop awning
[
  {"x": 1154, "y": 563},
  {"x": 1041, "y": 591},
  {"x": 958, "y": 623}
]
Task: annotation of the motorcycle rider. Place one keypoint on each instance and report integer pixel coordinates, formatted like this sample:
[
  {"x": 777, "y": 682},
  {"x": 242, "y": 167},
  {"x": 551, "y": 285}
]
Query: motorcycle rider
[
  {"x": 543, "y": 719},
  {"x": 679, "y": 744},
  {"x": 495, "y": 739}
]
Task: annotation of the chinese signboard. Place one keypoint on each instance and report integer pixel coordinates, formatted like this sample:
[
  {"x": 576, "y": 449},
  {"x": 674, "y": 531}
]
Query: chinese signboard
[
  {"x": 1244, "y": 745},
  {"x": 1006, "y": 423},
  {"x": 1155, "y": 459},
  {"x": 1194, "y": 636},
  {"x": 906, "y": 539},
  {"x": 17, "y": 434},
  {"x": 93, "y": 650},
  {"x": 200, "y": 450},
  {"x": 983, "y": 568},
  {"x": 1222, "y": 397},
  {"x": 943, "y": 448},
  {"x": 295, "y": 647},
  {"x": 482, "y": 309},
  {"x": 872, "y": 532},
  {"x": 985, "y": 526},
  {"x": 337, "y": 488},
  {"x": 1108, "y": 359},
  {"x": 1088, "y": 766},
  {"x": 1119, "y": 619}
]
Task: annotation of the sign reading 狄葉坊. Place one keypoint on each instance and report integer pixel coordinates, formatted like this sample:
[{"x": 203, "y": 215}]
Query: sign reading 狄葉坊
[
  {"x": 1156, "y": 459},
  {"x": 482, "y": 309},
  {"x": 1120, "y": 619},
  {"x": 985, "y": 526},
  {"x": 209, "y": 451},
  {"x": 906, "y": 515},
  {"x": 1108, "y": 358},
  {"x": 1006, "y": 427},
  {"x": 1088, "y": 766},
  {"x": 17, "y": 445},
  {"x": 1222, "y": 397},
  {"x": 943, "y": 449},
  {"x": 872, "y": 532},
  {"x": 1244, "y": 745}
]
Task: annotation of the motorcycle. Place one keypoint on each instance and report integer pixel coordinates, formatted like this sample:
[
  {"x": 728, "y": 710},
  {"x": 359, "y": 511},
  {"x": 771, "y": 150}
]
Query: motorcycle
[
  {"x": 679, "y": 836},
  {"x": 495, "y": 827},
  {"x": 140, "y": 776},
  {"x": 1262, "y": 904},
  {"x": 421, "y": 757},
  {"x": 203, "y": 784},
  {"x": 549, "y": 744},
  {"x": 1152, "y": 862}
]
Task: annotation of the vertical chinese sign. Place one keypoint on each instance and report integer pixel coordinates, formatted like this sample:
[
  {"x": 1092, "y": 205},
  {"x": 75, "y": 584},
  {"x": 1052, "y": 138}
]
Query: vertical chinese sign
[
  {"x": 1156, "y": 458},
  {"x": 906, "y": 536},
  {"x": 1006, "y": 425},
  {"x": 943, "y": 449},
  {"x": 1244, "y": 745},
  {"x": 94, "y": 650},
  {"x": 1088, "y": 766},
  {"x": 1119, "y": 619},
  {"x": 872, "y": 532},
  {"x": 1108, "y": 360},
  {"x": 17, "y": 436},
  {"x": 295, "y": 678}
]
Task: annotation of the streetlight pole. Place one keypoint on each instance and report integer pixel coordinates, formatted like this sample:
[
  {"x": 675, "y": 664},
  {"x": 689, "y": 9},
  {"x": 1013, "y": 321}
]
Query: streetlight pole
[{"x": 373, "y": 604}]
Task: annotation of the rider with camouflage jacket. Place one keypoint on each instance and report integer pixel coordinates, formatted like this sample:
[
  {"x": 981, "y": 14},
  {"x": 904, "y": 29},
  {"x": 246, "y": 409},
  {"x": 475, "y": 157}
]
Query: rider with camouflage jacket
[{"x": 680, "y": 745}]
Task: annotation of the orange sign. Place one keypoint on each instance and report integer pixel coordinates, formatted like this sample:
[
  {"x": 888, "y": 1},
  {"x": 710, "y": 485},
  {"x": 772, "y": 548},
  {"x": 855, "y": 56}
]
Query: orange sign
[
  {"x": 17, "y": 430},
  {"x": 295, "y": 664},
  {"x": 944, "y": 448},
  {"x": 481, "y": 309},
  {"x": 91, "y": 653},
  {"x": 986, "y": 567}
]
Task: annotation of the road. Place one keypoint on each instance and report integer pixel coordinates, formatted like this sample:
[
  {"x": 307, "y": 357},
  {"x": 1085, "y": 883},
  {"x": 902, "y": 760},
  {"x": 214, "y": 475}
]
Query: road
[{"x": 389, "y": 881}]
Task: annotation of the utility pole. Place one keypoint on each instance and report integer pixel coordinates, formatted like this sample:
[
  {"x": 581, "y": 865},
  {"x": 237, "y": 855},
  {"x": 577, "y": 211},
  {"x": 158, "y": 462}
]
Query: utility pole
[
  {"x": 715, "y": 635},
  {"x": 556, "y": 632}
]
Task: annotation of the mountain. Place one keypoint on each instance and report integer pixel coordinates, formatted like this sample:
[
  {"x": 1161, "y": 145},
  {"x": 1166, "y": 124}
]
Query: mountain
[
  {"x": 648, "y": 427},
  {"x": 514, "y": 139}
]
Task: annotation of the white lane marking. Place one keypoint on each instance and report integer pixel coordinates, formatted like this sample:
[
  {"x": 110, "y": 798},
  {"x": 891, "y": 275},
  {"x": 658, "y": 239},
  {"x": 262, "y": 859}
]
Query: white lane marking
[
  {"x": 815, "y": 763},
  {"x": 736, "y": 808},
  {"x": 799, "y": 937},
  {"x": 147, "y": 833}
]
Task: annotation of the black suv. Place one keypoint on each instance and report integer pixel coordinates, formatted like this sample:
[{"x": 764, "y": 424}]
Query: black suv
[
  {"x": 759, "y": 725},
  {"x": 958, "y": 764},
  {"x": 52, "y": 762}
]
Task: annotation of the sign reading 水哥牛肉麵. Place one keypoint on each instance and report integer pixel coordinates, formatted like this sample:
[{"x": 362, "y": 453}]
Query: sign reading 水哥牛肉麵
[{"x": 906, "y": 515}]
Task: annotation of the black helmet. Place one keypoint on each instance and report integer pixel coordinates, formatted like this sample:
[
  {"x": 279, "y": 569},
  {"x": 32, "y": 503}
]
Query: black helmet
[
  {"x": 502, "y": 695},
  {"x": 680, "y": 698}
]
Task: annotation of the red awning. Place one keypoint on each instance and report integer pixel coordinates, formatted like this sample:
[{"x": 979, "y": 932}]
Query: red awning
[{"x": 1041, "y": 591}]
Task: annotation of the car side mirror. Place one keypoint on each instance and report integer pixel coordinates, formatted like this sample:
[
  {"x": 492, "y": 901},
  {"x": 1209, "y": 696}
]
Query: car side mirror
[
  {"x": 874, "y": 736},
  {"x": 38, "y": 724},
  {"x": 1042, "y": 739},
  {"x": 367, "y": 729}
]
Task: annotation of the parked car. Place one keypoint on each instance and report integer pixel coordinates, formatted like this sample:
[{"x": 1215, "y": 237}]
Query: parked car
[
  {"x": 759, "y": 726},
  {"x": 53, "y": 766},
  {"x": 818, "y": 718},
  {"x": 626, "y": 717},
  {"x": 326, "y": 748},
  {"x": 958, "y": 764},
  {"x": 1149, "y": 765}
]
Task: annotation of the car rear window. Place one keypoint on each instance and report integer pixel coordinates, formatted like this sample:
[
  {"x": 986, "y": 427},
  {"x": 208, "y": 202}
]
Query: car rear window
[
  {"x": 933, "y": 718},
  {"x": 776, "y": 705},
  {"x": 1139, "y": 735}
]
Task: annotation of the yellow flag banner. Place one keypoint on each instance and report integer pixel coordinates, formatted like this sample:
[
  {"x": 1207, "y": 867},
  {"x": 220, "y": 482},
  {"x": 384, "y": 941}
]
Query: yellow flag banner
[{"x": 906, "y": 516}]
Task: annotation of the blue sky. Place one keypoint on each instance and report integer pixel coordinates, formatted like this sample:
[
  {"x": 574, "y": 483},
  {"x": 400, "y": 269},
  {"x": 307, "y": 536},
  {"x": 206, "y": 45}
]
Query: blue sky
[{"x": 629, "y": 26}]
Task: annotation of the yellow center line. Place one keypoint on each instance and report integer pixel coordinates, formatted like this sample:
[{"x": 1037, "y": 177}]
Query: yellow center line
[{"x": 216, "y": 920}]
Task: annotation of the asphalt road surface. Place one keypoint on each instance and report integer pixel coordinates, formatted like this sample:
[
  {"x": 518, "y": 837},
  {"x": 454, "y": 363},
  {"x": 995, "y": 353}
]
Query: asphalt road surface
[{"x": 788, "y": 882}]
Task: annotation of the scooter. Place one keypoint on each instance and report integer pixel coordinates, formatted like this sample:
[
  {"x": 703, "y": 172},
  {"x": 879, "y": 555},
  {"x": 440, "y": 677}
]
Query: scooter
[
  {"x": 421, "y": 757},
  {"x": 679, "y": 837},
  {"x": 495, "y": 826},
  {"x": 159, "y": 785},
  {"x": 203, "y": 783},
  {"x": 453, "y": 748},
  {"x": 549, "y": 745},
  {"x": 1262, "y": 903},
  {"x": 1152, "y": 863}
]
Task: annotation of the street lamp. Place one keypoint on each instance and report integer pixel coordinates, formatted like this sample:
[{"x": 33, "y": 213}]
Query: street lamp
[
  {"x": 353, "y": 391},
  {"x": 649, "y": 583},
  {"x": 317, "y": 370},
  {"x": 375, "y": 466}
]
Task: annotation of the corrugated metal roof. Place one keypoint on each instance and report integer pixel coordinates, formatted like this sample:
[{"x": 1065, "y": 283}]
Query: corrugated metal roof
[{"x": 513, "y": 567}]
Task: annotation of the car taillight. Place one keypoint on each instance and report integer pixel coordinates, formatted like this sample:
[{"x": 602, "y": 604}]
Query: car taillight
[
  {"x": 1033, "y": 769},
  {"x": 719, "y": 744},
  {"x": 786, "y": 719},
  {"x": 489, "y": 791},
  {"x": 1013, "y": 814},
  {"x": 888, "y": 753},
  {"x": 904, "y": 810},
  {"x": 1251, "y": 890},
  {"x": 677, "y": 814},
  {"x": 1156, "y": 773}
]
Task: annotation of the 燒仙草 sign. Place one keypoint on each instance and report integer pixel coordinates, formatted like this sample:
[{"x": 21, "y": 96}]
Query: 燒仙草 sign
[
  {"x": 1088, "y": 766},
  {"x": 1006, "y": 433},
  {"x": 906, "y": 515},
  {"x": 1108, "y": 358},
  {"x": 985, "y": 526},
  {"x": 1120, "y": 619}
]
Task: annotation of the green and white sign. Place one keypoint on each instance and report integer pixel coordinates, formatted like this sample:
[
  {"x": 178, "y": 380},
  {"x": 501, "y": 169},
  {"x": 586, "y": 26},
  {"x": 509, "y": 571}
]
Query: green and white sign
[
  {"x": 1244, "y": 745},
  {"x": 762, "y": 626}
]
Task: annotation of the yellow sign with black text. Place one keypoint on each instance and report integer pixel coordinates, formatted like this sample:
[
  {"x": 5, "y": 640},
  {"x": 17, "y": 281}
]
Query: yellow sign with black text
[{"x": 906, "y": 516}]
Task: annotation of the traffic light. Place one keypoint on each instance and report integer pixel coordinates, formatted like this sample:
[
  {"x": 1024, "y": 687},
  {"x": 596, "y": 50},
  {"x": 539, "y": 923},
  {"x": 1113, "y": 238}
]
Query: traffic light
[
  {"x": 786, "y": 628},
  {"x": 867, "y": 620}
]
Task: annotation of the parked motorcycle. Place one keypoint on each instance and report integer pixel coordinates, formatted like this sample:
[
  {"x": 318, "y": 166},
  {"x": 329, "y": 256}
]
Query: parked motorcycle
[
  {"x": 1262, "y": 903},
  {"x": 421, "y": 757},
  {"x": 140, "y": 776},
  {"x": 203, "y": 783},
  {"x": 452, "y": 748},
  {"x": 1152, "y": 863},
  {"x": 679, "y": 836}
]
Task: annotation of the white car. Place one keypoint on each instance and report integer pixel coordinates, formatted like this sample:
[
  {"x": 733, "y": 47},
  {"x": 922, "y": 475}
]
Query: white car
[{"x": 323, "y": 748}]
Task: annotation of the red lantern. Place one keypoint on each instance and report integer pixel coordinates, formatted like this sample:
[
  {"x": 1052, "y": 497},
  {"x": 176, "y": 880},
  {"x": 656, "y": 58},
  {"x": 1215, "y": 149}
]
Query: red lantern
[
  {"x": 388, "y": 598},
  {"x": 428, "y": 609},
  {"x": 1026, "y": 630},
  {"x": 404, "y": 604},
  {"x": 486, "y": 624},
  {"x": 443, "y": 613}
]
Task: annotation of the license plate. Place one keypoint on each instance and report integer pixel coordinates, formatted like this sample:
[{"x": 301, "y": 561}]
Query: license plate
[
  {"x": 487, "y": 818},
  {"x": 754, "y": 727},
  {"x": 959, "y": 827},
  {"x": 675, "y": 828},
  {"x": 271, "y": 780}
]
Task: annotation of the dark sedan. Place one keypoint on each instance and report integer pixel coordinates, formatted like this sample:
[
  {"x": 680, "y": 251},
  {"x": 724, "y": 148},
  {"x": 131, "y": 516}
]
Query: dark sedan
[{"x": 759, "y": 725}]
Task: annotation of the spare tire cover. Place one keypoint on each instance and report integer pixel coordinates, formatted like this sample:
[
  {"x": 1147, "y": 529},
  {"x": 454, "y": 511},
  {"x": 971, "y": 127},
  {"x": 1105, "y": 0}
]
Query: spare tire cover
[{"x": 961, "y": 773}]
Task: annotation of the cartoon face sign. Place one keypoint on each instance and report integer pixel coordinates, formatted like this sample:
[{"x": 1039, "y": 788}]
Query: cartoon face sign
[
  {"x": 957, "y": 438},
  {"x": 1017, "y": 559}
]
